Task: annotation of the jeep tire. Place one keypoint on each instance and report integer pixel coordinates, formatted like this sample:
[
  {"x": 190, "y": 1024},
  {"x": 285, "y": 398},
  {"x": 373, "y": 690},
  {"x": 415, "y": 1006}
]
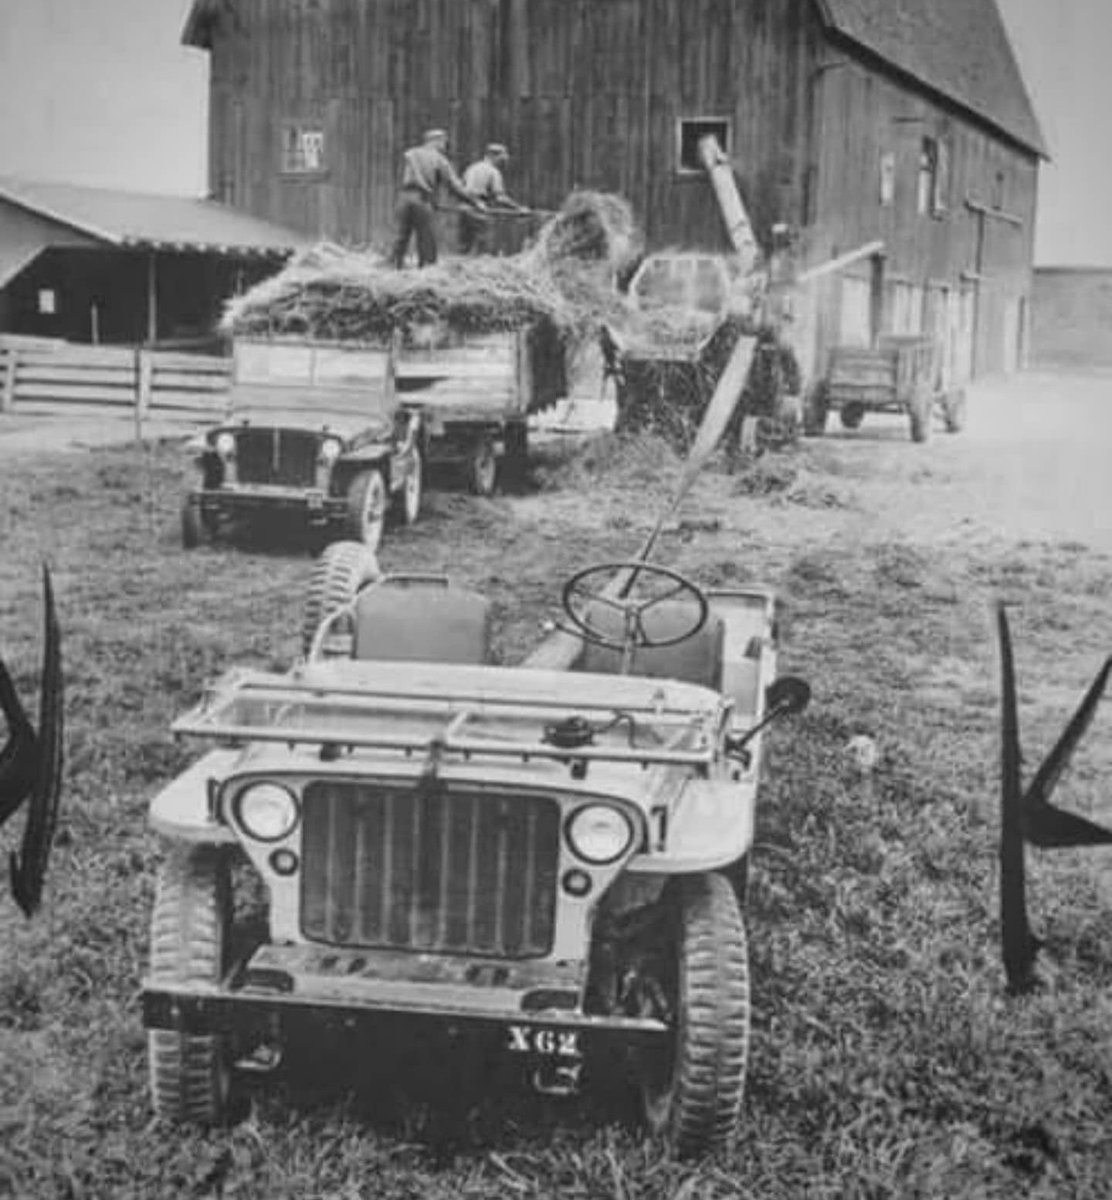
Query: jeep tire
[
  {"x": 190, "y": 1074},
  {"x": 482, "y": 467},
  {"x": 919, "y": 413},
  {"x": 691, "y": 1091},
  {"x": 340, "y": 572},
  {"x": 816, "y": 409},
  {"x": 367, "y": 501},
  {"x": 852, "y": 415},
  {"x": 953, "y": 410},
  {"x": 407, "y": 500}
]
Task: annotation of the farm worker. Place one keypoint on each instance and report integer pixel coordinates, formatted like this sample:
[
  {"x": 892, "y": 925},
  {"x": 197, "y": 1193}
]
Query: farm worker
[
  {"x": 483, "y": 180},
  {"x": 425, "y": 171}
]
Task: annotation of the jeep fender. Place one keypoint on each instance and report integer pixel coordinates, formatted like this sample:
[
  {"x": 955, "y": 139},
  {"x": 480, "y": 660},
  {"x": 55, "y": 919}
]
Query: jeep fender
[
  {"x": 181, "y": 810},
  {"x": 707, "y": 826}
]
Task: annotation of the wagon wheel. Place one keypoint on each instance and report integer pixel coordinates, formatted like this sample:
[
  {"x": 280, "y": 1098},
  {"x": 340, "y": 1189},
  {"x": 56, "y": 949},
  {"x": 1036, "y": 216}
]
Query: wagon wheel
[
  {"x": 919, "y": 413},
  {"x": 366, "y": 508},
  {"x": 691, "y": 1085},
  {"x": 407, "y": 502},
  {"x": 816, "y": 410},
  {"x": 953, "y": 410},
  {"x": 340, "y": 572},
  {"x": 190, "y": 1074},
  {"x": 482, "y": 467}
]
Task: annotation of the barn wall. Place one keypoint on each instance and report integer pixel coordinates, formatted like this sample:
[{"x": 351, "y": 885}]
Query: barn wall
[
  {"x": 589, "y": 93},
  {"x": 861, "y": 115}
]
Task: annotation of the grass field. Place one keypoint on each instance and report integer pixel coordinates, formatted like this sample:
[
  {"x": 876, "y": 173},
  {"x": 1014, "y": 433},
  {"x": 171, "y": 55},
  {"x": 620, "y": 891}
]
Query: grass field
[{"x": 887, "y": 1059}]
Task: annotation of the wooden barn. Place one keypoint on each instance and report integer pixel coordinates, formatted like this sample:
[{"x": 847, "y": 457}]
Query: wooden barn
[{"x": 848, "y": 120}]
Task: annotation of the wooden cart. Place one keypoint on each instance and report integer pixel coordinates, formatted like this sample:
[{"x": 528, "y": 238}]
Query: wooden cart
[{"x": 899, "y": 375}]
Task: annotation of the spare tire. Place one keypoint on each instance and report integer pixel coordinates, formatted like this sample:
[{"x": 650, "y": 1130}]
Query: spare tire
[{"x": 340, "y": 572}]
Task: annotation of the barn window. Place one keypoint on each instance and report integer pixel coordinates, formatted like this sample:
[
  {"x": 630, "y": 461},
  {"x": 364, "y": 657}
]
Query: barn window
[
  {"x": 691, "y": 132},
  {"x": 934, "y": 177},
  {"x": 302, "y": 149},
  {"x": 887, "y": 179},
  {"x": 48, "y": 302}
]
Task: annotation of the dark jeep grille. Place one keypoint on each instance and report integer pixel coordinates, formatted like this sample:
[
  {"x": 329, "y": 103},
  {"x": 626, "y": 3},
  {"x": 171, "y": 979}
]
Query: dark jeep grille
[
  {"x": 277, "y": 456},
  {"x": 458, "y": 872}
]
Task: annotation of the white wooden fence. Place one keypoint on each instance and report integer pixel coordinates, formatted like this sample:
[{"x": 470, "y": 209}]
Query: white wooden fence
[{"x": 39, "y": 375}]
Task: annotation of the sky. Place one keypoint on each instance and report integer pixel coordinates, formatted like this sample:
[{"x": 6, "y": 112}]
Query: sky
[{"x": 102, "y": 92}]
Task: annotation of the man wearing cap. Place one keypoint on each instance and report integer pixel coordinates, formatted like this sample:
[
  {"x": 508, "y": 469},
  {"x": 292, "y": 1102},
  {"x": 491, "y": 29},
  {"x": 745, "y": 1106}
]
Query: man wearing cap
[
  {"x": 483, "y": 180},
  {"x": 425, "y": 171}
]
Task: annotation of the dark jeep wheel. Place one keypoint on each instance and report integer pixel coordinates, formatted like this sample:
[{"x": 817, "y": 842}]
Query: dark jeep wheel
[
  {"x": 407, "y": 501},
  {"x": 340, "y": 572},
  {"x": 366, "y": 508},
  {"x": 692, "y": 1088},
  {"x": 190, "y": 1074},
  {"x": 193, "y": 529},
  {"x": 852, "y": 415}
]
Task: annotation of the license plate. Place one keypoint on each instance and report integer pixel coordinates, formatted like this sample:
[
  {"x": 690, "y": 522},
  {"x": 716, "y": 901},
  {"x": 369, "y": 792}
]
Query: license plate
[
  {"x": 315, "y": 500},
  {"x": 555, "y": 1043}
]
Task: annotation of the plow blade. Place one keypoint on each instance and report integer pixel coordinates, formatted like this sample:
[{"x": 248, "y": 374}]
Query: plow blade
[
  {"x": 1028, "y": 816},
  {"x": 31, "y": 763}
]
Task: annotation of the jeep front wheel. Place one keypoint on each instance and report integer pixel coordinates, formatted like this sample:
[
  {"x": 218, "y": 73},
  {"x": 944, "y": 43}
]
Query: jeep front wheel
[
  {"x": 366, "y": 508},
  {"x": 190, "y": 1074},
  {"x": 692, "y": 1087},
  {"x": 407, "y": 503}
]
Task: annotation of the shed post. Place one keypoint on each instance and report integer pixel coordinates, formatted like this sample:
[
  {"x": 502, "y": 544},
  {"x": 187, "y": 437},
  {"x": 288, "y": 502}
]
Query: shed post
[
  {"x": 152, "y": 298},
  {"x": 144, "y": 373},
  {"x": 7, "y": 390}
]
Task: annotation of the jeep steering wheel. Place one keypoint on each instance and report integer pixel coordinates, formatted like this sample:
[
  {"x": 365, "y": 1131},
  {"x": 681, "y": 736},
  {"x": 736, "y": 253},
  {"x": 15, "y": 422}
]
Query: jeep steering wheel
[{"x": 631, "y": 602}]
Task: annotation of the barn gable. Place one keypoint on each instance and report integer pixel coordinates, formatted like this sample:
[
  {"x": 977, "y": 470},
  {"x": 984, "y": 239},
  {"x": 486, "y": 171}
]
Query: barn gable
[{"x": 957, "y": 48}]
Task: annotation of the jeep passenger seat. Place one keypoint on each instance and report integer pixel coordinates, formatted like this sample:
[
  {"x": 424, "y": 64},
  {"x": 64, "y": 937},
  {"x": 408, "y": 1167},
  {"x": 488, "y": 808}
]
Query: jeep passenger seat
[{"x": 421, "y": 620}]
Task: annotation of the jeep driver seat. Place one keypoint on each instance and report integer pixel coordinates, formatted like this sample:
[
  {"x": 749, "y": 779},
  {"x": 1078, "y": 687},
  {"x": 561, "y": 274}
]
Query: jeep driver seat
[
  {"x": 697, "y": 659},
  {"x": 421, "y": 618}
]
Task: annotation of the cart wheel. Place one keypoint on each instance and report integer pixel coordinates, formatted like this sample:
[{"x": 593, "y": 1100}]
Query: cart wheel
[
  {"x": 407, "y": 501},
  {"x": 482, "y": 468},
  {"x": 953, "y": 410},
  {"x": 194, "y": 529},
  {"x": 341, "y": 571},
  {"x": 692, "y": 1087},
  {"x": 366, "y": 508},
  {"x": 852, "y": 416},
  {"x": 190, "y": 1074},
  {"x": 919, "y": 414},
  {"x": 816, "y": 410}
]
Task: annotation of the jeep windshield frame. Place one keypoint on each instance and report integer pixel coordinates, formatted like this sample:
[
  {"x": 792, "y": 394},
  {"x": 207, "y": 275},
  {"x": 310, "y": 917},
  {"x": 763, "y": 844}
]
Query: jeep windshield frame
[{"x": 650, "y": 725}]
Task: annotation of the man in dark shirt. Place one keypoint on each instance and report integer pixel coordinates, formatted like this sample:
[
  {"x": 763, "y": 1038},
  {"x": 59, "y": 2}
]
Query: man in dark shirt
[{"x": 425, "y": 171}]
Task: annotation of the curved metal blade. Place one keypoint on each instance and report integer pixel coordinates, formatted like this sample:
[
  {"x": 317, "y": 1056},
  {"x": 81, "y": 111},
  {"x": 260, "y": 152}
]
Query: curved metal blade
[
  {"x": 1019, "y": 944},
  {"x": 1043, "y": 824},
  {"x": 29, "y": 867}
]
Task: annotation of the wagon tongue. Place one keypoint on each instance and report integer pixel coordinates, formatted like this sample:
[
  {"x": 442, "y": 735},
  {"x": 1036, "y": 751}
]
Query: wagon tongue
[
  {"x": 1028, "y": 816},
  {"x": 31, "y": 763}
]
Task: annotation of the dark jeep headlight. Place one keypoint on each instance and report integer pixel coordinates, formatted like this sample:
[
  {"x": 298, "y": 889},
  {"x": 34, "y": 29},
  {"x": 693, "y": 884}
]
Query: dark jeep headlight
[{"x": 266, "y": 812}]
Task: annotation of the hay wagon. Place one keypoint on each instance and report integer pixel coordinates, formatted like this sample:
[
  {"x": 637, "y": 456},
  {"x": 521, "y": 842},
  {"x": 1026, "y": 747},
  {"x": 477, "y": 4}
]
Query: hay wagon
[
  {"x": 476, "y": 391},
  {"x": 901, "y": 374}
]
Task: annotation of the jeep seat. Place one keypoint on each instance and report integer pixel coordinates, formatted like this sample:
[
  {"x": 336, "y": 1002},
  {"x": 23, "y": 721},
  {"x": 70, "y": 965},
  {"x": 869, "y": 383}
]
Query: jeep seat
[
  {"x": 421, "y": 620},
  {"x": 697, "y": 659}
]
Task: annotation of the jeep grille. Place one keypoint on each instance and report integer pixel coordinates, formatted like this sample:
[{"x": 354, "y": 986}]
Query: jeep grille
[
  {"x": 460, "y": 872},
  {"x": 287, "y": 457}
]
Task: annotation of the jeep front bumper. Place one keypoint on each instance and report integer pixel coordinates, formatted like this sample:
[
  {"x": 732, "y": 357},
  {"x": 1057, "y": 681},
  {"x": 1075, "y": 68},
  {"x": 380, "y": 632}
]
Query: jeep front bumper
[
  {"x": 312, "y": 503},
  {"x": 528, "y": 1013}
]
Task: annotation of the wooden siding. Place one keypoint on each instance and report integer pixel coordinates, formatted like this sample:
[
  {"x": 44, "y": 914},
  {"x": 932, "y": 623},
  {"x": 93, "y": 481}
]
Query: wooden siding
[{"x": 589, "y": 93}]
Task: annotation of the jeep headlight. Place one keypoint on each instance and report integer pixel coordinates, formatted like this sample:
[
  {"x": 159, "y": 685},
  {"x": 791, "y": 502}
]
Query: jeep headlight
[
  {"x": 599, "y": 834},
  {"x": 225, "y": 444},
  {"x": 330, "y": 450},
  {"x": 266, "y": 812}
]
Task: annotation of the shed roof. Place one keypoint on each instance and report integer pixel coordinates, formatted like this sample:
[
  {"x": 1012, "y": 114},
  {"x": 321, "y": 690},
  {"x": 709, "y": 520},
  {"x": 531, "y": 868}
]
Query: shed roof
[
  {"x": 148, "y": 221},
  {"x": 957, "y": 48}
]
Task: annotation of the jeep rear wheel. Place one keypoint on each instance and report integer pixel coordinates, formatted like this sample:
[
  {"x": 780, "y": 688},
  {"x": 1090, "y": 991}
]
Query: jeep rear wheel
[
  {"x": 692, "y": 1088},
  {"x": 341, "y": 571},
  {"x": 852, "y": 415},
  {"x": 366, "y": 508},
  {"x": 407, "y": 503},
  {"x": 190, "y": 1074}
]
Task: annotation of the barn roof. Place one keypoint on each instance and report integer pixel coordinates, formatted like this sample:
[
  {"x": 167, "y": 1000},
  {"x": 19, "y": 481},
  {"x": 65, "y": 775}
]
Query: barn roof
[
  {"x": 148, "y": 221},
  {"x": 957, "y": 48}
]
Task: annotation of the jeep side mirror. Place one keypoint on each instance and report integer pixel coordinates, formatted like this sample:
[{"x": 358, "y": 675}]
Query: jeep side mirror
[{"x": 787, "y": 696}]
